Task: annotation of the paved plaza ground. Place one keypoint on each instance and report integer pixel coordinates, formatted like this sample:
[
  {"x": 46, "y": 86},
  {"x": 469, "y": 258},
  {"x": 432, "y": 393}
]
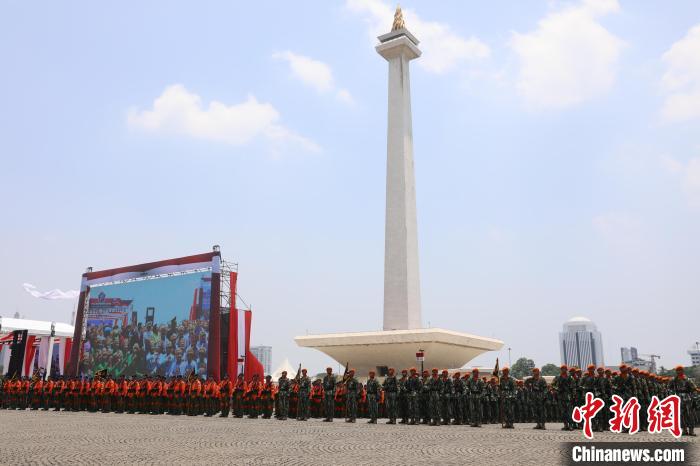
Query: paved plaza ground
[{"x": 32, "y": 437}]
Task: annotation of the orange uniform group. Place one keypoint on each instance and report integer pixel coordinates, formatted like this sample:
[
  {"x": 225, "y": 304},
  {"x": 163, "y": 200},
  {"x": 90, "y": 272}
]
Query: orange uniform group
[{"x": 154, "y": 395}]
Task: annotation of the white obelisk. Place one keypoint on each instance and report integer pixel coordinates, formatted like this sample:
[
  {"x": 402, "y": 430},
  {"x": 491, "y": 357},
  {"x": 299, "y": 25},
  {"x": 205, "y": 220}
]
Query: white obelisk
[{"x": 402, "y": 304}]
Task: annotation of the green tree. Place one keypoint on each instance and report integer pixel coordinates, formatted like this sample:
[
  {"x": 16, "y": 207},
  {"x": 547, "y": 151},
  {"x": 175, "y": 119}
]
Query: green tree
[
  {"x": 550, "y": 369},
  {"x": 522, "y": 368}
]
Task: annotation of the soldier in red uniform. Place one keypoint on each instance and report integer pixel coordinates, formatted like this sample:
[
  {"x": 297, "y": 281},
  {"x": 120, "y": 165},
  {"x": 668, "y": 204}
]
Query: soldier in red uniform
[
  {"x": 122, "y": 394},
  {"x": 210, "y": 395},
  {"x": 316, "y": 398},
  {"x": 37, "y": 390},
  {"x": 179, "y": 394},
  {"x": 267, "y": 393},
  {"x": 96, "y": 392},
  {"x": 47, "y": 397},
  {"x": 225, "y": 392},
  {"x": 132, "y": 396},
  {"x": 144, "y": 395},
  {"x": 107, "y": 401},
  {"x": 58, "y": 394},
  {"x": 252, "y": 397},
  {"x": 194, "y": 397},
  {"x": 238, "y": 396},
  {"x": 24, "y": 393}
]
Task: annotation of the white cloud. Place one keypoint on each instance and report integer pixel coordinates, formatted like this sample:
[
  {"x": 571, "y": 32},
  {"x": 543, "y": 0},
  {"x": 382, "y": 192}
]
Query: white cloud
[
  {"x": 619, "y": 229},
  {"x": 681, "y": 81},
  {"x": 313, "y": 73},
  {"x": 688, "y": 174},
  {"x": 569, "y": 58},
  {"x": 344, "y": 96},
  {"x": 443, "y": 49},
  {"x": 178, "y": 111},
  {"x": 50, "y": 295}
]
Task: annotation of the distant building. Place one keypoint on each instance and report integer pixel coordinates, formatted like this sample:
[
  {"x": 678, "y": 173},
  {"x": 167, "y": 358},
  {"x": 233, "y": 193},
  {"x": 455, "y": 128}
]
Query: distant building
[
  {"x": 580, "y": 343},
  {"x": 625, "y": 354},
  {"x": 695, "y": 355},
  {"x": 264, "y": 355},
  {"x": 630, "y": 356}
]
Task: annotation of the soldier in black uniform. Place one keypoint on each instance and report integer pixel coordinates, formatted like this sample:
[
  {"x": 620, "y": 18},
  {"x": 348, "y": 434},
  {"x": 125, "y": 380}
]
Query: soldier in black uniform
[
  {"x": 391, "y": 388},
  {"x": 328, "y": 394}
]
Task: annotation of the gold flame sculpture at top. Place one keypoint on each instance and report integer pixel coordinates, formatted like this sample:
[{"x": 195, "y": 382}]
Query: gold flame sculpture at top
[{"x": 398, "y": 19}]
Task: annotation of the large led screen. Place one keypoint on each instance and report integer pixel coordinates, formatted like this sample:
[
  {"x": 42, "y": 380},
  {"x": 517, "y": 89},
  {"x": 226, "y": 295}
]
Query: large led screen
[{"x": 153, "y": 326}]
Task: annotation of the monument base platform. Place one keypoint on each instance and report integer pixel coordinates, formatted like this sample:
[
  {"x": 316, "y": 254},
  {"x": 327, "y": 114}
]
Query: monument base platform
[{"x": 365, "y": 351}]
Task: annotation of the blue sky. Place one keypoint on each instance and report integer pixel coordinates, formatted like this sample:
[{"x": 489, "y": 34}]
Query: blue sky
[{"x": 556, "y": 151}]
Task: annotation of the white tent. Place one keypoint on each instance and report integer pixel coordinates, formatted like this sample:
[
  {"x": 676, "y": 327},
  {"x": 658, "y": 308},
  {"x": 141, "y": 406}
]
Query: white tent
[
  {"x": 35, "y": 327},
  {"x": 285, "y": 366}
]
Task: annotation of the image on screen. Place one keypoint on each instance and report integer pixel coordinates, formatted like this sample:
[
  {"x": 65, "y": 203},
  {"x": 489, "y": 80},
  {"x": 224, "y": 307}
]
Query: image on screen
[{"x": 154, "y": 327}]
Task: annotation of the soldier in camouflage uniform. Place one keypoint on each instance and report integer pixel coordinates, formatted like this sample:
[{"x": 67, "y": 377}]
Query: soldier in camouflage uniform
[
  {"x": 466, "y": 419},
  {"x": 403, "y": 397},
  {"x": 373, "y": 392},
  {"x": 304, "y": 394},
  {"x": 494, "y": 398},
  {"x": 353, "y": 389},
  {"x": 577, "y": 397},
  {"x": 446, "y": 395},
  {"x": 329, "y": 395},
  {"x": 434, "y": 389},
  {"x": 475, "y": 387},
  {"x": 283, "y": 388},
  {"x": 391, "y": 388},
  {"x": 414, "y": 387},
  {"x": 602, "y": 390},
  {"x": 684, "y": 388},
  {"x": 507, "y": 390},
  {"x": 537, "y": 389},
  {"x": 425, "y": 398},
  {"x": 623, "y": 384},
  {"x": 457, "y": 398},
  {"x": 520, "y": 402},
  {"x": 563, "y": 385}
]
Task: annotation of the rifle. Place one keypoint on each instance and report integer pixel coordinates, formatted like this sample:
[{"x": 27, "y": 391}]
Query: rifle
[{"x": 345, "y": 372}]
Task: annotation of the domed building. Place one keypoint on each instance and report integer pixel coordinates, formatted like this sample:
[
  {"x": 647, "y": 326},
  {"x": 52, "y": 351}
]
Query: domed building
[{"x": 580, "y": 343}]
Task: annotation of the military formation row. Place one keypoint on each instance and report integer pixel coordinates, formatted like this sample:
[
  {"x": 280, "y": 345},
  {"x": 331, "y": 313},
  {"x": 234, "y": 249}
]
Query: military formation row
[{"x": 435, "y": 399}]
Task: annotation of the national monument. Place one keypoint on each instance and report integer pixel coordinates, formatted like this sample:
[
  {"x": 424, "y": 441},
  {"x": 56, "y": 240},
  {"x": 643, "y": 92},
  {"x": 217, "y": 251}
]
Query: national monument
[{"x": 403, "y": 333}]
